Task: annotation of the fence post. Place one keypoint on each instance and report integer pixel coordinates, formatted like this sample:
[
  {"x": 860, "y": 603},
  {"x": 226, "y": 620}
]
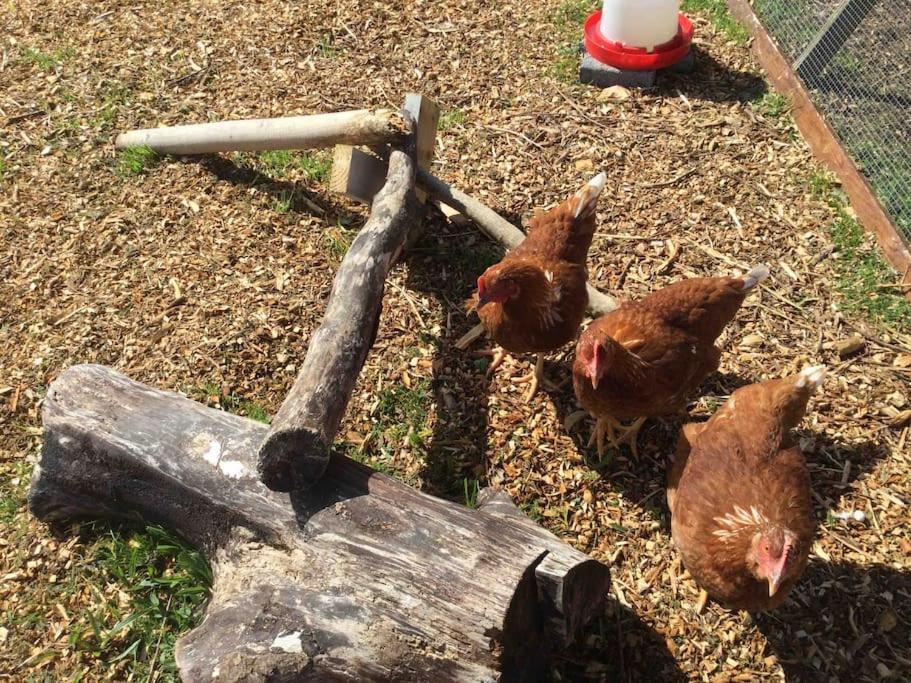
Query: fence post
[{"x": 831, "y": 37}]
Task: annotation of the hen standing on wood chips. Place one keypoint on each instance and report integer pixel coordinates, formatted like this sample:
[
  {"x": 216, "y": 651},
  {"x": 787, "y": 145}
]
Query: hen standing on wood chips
[
  {"x": 534, "y": 299},
  {"x": 739, "y": 495},
  {"x": 643, "y": 359}
]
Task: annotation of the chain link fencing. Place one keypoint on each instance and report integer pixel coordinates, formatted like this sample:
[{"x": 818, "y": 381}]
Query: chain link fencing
[{"x": 854, "y": 56}]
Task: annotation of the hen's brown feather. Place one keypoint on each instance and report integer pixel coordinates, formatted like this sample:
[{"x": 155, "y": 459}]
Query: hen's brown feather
[
  {"x": 660, "y": 348},
  {"x": 548, "y": 269},
  {"x": 738, "y": 475}
]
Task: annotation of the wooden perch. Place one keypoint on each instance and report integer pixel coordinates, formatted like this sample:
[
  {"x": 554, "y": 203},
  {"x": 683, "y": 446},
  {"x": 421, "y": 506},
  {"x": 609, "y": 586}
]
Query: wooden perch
[
  {"x": 296, "y": 450},
  {"x": 498, "y": 229},
  {"x": 359, "y": 127},
  {"x": 359, "y": 579}
]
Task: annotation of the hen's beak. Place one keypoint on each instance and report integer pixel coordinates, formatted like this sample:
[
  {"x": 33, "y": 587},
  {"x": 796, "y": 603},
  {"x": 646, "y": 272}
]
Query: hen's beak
[
  {"x": 483, "y": 293},
  {"x": 774, "y": 582},
  {"x": 594, "y": 366}
]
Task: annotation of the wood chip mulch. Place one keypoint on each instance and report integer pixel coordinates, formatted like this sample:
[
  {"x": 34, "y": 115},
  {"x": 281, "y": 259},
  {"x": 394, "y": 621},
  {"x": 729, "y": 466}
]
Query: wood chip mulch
[{"x": 191, "y": 277}]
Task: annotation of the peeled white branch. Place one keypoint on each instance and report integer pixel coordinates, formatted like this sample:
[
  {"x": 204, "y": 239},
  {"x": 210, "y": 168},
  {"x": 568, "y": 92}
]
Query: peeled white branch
[{"x": 359, "y": 127}]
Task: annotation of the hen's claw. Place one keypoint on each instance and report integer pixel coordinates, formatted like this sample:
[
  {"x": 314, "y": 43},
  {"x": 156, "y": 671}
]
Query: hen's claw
[
  {"x": 536, "y": 378},
  {"x": 609, "y": 426}
]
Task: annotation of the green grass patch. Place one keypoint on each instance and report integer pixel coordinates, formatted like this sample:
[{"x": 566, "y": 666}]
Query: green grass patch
[
  {"x": 774, "y": 105},
  {"x": 46, "y": 61},
  {"x": 166, "y": 582},
  {"x": 135, "y": 160},
  {"x": 281, "y": 162},
  {"x": 326, "y": 47},
  {"x": 566, "y": 65},
  {"x": 116, "y": 97},
  {"x": 316, "y": 166},
  {"x": 568, "y": 22},
  {"x": 863, "y": 278},
  {"x": 139, "y": 589},
  {"x": 571, "y": 14},
  {"x": 451, "y": 118},
  {"x": 400, "y": 419},
  {"x": 210, "y": 392},
  {"x": 284, "y": 202},
  {"x": 719, "y": 14},
  {"x": 471, "y": 487},
  {"x": 2, "y": 169},
  {"x": 336, "y": 241}
]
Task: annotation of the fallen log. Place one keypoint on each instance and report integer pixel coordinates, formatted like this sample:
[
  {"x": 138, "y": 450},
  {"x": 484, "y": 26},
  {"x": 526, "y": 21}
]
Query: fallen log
[
  {"x": 296, "y": 450},
  {"x": 360, "y": 578},
  {"x": 497, "y": 228},
  {"x": 358, "y": 127}
]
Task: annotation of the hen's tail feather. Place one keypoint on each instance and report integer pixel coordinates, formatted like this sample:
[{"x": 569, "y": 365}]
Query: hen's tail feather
[
  {"x": 754, "y": 277},
  {"x": 811, "y": 377},
  {"x": 588, "y": 195}
]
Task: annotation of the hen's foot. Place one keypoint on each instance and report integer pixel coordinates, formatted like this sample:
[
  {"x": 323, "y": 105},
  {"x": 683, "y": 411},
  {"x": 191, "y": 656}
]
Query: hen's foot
[
  {"x": 608, "y": 427},
  {"x": 497, "y": 355},
  {"x": 535, "y": 379},
  {"x": 630, "y": 435}
]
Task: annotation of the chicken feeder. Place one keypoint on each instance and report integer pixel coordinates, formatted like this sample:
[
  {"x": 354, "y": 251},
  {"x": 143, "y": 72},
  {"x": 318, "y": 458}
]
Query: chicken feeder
[{"x": 628, "y": 41}]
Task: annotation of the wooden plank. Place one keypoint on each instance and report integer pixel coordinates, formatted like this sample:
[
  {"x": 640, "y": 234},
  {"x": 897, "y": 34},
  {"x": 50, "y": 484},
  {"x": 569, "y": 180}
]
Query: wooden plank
[
  {"x": 834, "y": 33},
  {"x": 357, "y": 173},
  {"x": 360, "y": 579},
  {"x": 825, "y": 144},
  {"x": 427, "y": 115}
]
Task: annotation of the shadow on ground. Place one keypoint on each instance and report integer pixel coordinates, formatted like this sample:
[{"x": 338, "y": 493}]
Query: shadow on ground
[
  {"x": 843, "y": 622},
  {"x": 619, "y": 648},
  {"x": 713, "y": 81}
]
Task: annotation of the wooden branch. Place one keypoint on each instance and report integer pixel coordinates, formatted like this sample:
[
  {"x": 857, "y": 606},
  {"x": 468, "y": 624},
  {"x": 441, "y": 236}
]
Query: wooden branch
[
  {"x": 296, "y": 450},
  {"x": 824, "y": 143},
  {"x": 361, "y": 578},
  {"x": 498, "y": 229},
  {"x": 359, "y": 127}
]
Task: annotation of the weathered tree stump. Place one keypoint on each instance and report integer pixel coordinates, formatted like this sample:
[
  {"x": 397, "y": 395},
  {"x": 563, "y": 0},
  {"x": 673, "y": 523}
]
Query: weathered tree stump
[{"x": 360, "y": 578}]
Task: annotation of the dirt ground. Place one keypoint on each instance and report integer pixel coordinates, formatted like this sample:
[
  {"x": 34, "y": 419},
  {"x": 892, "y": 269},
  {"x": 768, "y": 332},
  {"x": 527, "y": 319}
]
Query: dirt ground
[{"x": 209, "y": 276}]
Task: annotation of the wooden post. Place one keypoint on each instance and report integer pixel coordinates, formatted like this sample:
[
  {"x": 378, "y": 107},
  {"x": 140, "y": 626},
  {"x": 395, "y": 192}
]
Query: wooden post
[
  {"x": 296, "y": 450},
  {"x": 359, "y": 127},
  {"x": 360, "y": 579},
  {"x": 835, "y": 33},
  {"x": 359, "y": 173}
]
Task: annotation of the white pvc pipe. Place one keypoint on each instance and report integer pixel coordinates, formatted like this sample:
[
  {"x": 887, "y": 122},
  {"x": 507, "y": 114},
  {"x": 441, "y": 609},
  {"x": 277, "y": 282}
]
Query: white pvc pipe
[
  {"x": 640, "y": 23},
  {"x": 359, "y": 127}
]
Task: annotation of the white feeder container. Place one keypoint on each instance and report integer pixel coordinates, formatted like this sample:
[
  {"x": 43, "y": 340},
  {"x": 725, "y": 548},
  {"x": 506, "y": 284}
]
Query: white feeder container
[{"x": 640, "y": 23}]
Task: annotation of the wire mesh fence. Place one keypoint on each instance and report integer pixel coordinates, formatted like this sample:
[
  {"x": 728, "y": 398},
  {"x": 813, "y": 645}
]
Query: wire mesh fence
[{"x": 854, "y": 56}]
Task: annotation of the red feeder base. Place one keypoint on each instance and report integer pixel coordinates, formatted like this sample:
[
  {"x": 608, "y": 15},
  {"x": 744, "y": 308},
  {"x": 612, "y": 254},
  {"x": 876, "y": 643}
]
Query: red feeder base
[{"x": 628, "y": 58}]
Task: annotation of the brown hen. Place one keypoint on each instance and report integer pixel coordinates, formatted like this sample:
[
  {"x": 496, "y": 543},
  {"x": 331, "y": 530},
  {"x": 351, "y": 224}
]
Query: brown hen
[
  {"x": 643, "y": 359},
  {"x": 533, "y": 301},
  {"x": 739, "y": 495}
]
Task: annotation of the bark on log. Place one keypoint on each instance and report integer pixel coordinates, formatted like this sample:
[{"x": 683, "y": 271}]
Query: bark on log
[
  {"x": 498, "y": 229},
  {"x": 358, "y": 127},
  {"x": 359, "y": 579},
  {"x": 296, "y": 450}
]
